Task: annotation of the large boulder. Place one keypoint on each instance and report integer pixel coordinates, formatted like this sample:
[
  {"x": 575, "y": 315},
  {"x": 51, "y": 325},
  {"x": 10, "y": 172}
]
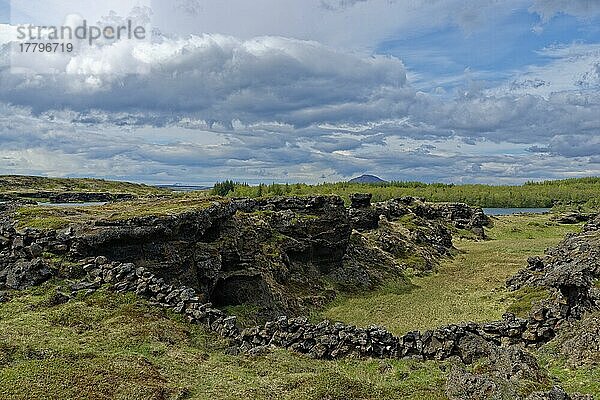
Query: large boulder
[
  {"x": 505, "y": 373},
  {"x": 569, "y": 270},
  {"x": 24, "y": 274},
  {"x": 360, "y": 200},
  {"x": 579, "y": 342}
]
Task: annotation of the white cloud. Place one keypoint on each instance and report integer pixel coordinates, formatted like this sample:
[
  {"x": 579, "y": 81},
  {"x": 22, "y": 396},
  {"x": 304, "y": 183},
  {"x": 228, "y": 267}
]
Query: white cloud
[
  {"x": 53, "y": 144},
  {"x": 269, "y": 107},
  {"x": 572, "y": 67},
  {"x": 579, "y": 8},
  {"x": 8, "y": 33},
  {"x": 220, "y": 78}
]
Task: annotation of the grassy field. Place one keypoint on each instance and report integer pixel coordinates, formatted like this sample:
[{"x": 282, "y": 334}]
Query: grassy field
[
  {"x": 50, "y": 217},
  {"x": 570, "y": 193},
  {"x": 469, "y": 287},
  {"x": 17, "y": 183},
  {"x": 109, "y": 346},
  {"x": 573, "y": 193}
]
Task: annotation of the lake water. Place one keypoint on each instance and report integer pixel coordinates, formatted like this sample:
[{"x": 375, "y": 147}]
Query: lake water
[{"x": 512, "y": 211}]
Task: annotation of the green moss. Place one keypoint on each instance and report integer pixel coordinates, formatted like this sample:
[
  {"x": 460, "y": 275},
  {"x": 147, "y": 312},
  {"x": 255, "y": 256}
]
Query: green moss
[
  {"x": 245, "y": 313},
  {"x": 523, "y": 299},
  {"x": 413, "y": 261},
  {"x": 582, "y": 379},
  {"x": 409, "y": 222},
  {"x": 117, "y": 346},
  {"x": 301, "y": 218},
  {"x": 260, "y": 213},
  {"x": 524, "y": 387},
  {"x": 464, "y": 234},
  {"x": 64, "y": 265},
  {"x": 45, "y": 218},
  {"x": 42, "y": 222}
]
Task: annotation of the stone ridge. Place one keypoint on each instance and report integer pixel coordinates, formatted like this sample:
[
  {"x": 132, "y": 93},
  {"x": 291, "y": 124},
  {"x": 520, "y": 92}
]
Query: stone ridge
[
  {"x": 278, "y": 253},
  {"x": 67, "y": 197},
  {"x": 324, "y": 340},
  {"x": 334, "y": 340},
  {"x": 365, "y": 216},
  {"x": 571, "y": 268},
  {"x": 497, "y": 341},
  {"x": 500, "y": 343}
]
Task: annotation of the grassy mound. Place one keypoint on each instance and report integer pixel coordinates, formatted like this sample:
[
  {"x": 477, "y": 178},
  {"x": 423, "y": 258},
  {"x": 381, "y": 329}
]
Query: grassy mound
[
  {"x": 18, "y": 183},
  {"x": 50, "y": 217}
]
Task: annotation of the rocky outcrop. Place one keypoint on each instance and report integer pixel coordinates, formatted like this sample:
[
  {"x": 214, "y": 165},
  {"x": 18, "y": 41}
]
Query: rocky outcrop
[
  {"x": 558, "y": 393},
  {"x": 21, "y": 262},
  {"x": 574, "y": 217},
  {"x": 569, "y": 272},
  {"x": 360, "y": 200},
  {"x": 507, "y": 373},
  {"x": 365, "y": 216},
  {"x": 500, "y": 385},
  {"x": 278, "y": 253},
  {"x": 504, "y": 374},
  {"x": 67, "y": 197},
  {"x": 468, "y": 341},
  {"x": 366, "y": 265},
  {"x": 281, "y": 254},
  {"x": 274, "y": 252},
  {"x": 24, "y": 274},
  {"x": 579, "y": 342},
  {"x": 460, "y": 215}
]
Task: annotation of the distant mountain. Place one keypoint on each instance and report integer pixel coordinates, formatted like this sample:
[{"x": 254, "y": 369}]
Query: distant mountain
[{"x": 367, "y": 179}]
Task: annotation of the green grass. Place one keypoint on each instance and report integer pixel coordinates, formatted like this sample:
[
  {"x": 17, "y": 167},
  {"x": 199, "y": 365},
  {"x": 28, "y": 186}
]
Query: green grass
[
  {"x": 48, "y": 217},
  {"x": 584, "y": 378},
  {"x": 24, "y": 184},
  {"x": 524, "y": 298},
  {"x": 582, "y": 192},
  {"x": 246, "y": 314},
  {"x": 108, "y": 346},
  {"x": 469, "y": 287}
]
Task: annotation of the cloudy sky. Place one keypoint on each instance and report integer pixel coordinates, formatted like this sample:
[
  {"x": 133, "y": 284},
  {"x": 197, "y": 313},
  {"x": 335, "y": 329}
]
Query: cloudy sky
[{"x": 494, "y": 91}]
